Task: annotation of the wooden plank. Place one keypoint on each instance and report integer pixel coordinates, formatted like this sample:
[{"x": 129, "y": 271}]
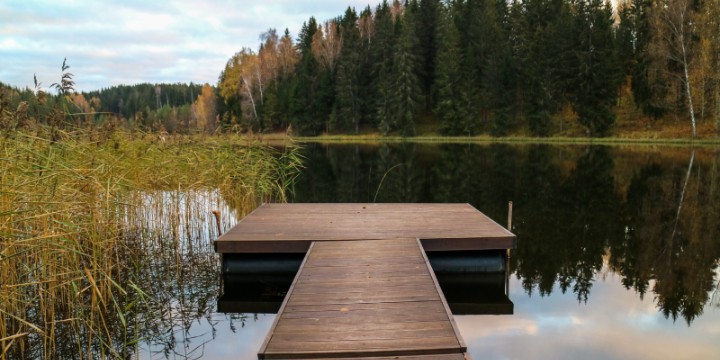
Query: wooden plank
[
  {"x": 285, "y": 301},
  {"x": 366, "y": 335},
  {"x": 341, "y": 306},
  {"x": 377, "y": 320},
  {"x": 391, "y": 353},
  {"x": 417, "y": 357},
  {"x": 292, "y": 227},
  {"x": 396, "y": 326},
  {"x": 302, "y": 347},
  {"x": 442, "y": 296}
]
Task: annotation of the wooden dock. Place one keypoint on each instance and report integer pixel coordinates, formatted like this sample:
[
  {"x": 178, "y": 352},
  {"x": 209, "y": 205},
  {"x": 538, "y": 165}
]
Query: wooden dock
[
  {"x": 291, "y": 228},
  {"x": 365, "y": 298},
  {"x": 365, "y": 289}
]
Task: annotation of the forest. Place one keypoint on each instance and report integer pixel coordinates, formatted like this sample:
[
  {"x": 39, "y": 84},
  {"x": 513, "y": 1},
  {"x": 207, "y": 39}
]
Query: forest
[
  {"x": 456, "y": 68},
  {"x": 483, "y": 66}
]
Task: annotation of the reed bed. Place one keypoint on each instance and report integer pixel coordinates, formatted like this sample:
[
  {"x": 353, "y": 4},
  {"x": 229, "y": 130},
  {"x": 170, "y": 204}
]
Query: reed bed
[{"x": 98, "y": 231}]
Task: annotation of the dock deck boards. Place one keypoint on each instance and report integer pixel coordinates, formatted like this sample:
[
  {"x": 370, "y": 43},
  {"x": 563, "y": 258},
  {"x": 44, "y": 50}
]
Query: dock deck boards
[
  {"x": 273, "y": 228},
  {"x": 372, "y": 299}
]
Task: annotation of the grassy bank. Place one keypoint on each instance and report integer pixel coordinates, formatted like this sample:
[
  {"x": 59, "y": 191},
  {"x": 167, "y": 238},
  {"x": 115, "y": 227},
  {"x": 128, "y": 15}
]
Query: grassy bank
[
  {"x": 377, "y": 138},
  {"x": 631, "y": 129},
  {"x": 82, "y": 219}
]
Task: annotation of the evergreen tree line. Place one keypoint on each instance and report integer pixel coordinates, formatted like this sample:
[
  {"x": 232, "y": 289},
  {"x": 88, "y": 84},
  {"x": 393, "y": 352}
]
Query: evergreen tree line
[
  {"x": 472, "y": 66},
  {"x": 171, "y": 108},
  {"x": 162, "y": 107},
  {"x": 127, "y": 100},
  {"x": 462, "y": 66}
]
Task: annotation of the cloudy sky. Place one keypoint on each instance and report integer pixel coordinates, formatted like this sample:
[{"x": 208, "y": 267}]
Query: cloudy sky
[{"x": 113, "y": 42}]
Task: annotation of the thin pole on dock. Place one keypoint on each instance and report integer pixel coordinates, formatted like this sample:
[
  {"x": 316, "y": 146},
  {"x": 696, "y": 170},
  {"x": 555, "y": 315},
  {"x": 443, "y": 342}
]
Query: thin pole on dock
[
  {"x": 507, "y": 252},
  {"x": 509, "y": 222},
  {"x": 219, "y": 229}
]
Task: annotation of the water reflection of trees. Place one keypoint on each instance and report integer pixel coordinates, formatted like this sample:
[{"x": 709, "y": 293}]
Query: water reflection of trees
[
  {"x": 577, "y": 210},
  {"x": 678, "y": 251},
  {"x": 568, "y": 225},
  {"x": 354, "y": 173},
  {"x": 402, "y": 178}
]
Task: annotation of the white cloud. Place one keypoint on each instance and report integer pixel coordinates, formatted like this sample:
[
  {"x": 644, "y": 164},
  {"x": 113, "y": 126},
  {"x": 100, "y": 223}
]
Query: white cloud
[
  {"x": 614, "y": 324},
  {"x": 130, "y": 41}
]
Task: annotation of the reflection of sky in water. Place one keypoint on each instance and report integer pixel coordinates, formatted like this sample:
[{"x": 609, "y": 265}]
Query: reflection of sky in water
[
  {"x": 614, "y": 324},
  {"x": 241, "y": 344}
]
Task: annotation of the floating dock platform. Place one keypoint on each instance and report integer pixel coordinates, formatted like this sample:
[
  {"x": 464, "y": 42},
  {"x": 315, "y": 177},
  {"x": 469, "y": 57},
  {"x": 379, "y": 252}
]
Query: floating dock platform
[
  {"x": 291, "y": 228},
  {"x": 365, "y": 288}
]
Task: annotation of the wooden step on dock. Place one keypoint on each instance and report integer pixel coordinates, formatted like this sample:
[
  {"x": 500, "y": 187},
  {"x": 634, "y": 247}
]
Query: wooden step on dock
[{"x": 371, "y": 299}]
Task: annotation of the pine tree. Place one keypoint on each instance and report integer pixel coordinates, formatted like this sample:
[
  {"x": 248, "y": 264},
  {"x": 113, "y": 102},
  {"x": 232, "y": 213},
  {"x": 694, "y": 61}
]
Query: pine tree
[
  {"x": 547, "y": 52},
  {"x": 366, "y": 25},
  {"x": 451, "y": 105},
  {"x": 626, "y": 35},
  {"x": 348, "y": 74},
  {"x": 381, "y": 56},
  {"x": 502, "y": 79},
  {"x": 480, "y": 37},
  {"x": 306, "y": 106},
  {"x": 427, "y": 32},
  {"x": 406, "y": 95},
  {"x": 709, "y": 59},
  {"x": 287, "y": 65},
  {"x": 500, "y": 75},
  {"x": 649, "y": 82},
  {"x": 598, "y": 73}
]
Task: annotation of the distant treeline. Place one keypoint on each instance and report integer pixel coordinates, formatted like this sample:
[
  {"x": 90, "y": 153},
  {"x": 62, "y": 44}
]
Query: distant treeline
[
  {"x": 457, "y": 67},
  {"x": 173, "y": 108},
  {"x": 127, "y": 100},
  {"x": 474, "y": 66}
]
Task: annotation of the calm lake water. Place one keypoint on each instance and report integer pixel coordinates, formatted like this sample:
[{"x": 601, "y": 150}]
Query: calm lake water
[{"x": 617, "y": 257}]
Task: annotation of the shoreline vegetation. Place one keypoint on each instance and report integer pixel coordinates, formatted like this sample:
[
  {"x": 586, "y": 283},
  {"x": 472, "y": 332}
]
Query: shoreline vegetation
[
  {"x": 281, "y": 138},
  {"x": 464, "y": 68},
  {"x": 105, "y": 230},
  {"x": 101, "y": 230},
  {"x": 510, "y": 71}
]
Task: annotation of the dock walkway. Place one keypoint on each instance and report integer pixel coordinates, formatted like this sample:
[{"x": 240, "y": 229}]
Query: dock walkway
[
  {"x": 291, "y": 228},
  {"x": 365, "y": 289},
  {"x": 371, "y": 298}
]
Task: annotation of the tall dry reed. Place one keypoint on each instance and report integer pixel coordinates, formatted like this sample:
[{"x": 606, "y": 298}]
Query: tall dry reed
[{"x": 85, "y": 217}]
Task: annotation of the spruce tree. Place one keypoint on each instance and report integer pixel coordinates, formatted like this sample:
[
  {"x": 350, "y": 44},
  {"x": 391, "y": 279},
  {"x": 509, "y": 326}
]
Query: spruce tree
[
  {"x": 499, "y": 79},
  {"x": 406, "y": 93},
  {"x": 474, "y": 33},
  {"x": 451, "y": 104},
  {"x": 625, "y": 37},
  {"x": 546, "y": 53},
  {"x": 311, "y": 88},
  {"x": 502, "y": 80},
  {"x": 367, "y": 39},
  {"x": 597, "y": 69},
  {"x": 428, "y": 44},
  {"x": 381, "y": 56},
  {"x": 649, "y": 83},
  {"x": 285, "y": 80},
  {"x": 348, "y": 74}
]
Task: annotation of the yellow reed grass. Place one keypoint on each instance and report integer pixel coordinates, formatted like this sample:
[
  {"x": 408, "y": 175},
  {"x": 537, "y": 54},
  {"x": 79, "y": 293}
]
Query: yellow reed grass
[{"x": 82, "y": 220}]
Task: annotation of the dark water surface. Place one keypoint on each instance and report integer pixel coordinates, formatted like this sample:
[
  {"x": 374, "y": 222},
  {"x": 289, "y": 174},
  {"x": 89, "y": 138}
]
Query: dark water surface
[{"x": 617, "y": 253}]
